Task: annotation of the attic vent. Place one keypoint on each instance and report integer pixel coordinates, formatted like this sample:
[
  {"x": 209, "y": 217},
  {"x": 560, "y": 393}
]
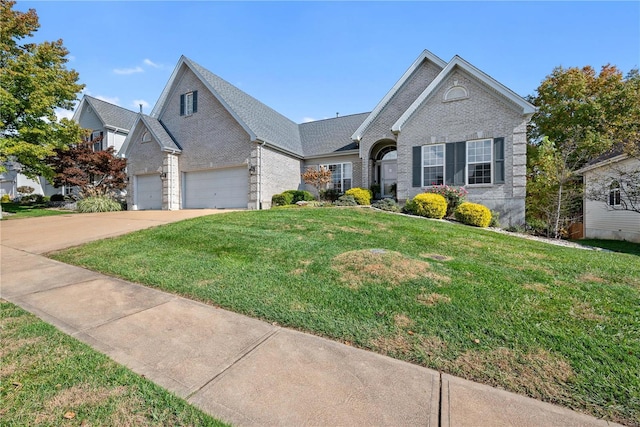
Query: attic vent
[
  {"x": 146, "y": 137},
  {"x": 456, "y": 92}
]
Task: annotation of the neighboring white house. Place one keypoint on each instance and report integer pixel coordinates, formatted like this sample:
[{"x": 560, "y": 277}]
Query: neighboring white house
[
  {"x": 209, "y": 144},
  {"x": 608, "y": 206},
  {"x": 109, "y": 125}
]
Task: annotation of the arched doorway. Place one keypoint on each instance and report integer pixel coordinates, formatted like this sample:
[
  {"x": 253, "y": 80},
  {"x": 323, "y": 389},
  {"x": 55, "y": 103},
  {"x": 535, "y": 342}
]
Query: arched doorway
[{"x": 385, "y": 168}]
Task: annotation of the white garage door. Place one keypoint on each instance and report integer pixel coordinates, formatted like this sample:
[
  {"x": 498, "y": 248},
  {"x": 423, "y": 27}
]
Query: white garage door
[
  {"x": 222, "y": 188},
  {"x": 148, "y": 192}
]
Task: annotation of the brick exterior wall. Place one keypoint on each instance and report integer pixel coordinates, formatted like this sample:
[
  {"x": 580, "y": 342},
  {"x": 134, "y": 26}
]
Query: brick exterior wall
[
  {"x": 275, "y": 172},
  {"x": 484, "y": 114},
  {"x": 210, "y": 138}
]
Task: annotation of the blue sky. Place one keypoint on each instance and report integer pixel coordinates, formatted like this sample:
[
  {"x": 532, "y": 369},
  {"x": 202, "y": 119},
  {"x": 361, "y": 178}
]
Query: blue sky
[{"x": 310, "y": 60}]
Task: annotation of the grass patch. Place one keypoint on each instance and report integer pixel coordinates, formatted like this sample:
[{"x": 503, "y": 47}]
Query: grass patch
[
  {"x": 613, "y": 245},
  {"x": 17, "y": 211},
  {"x": 559, "y": 324},
  {"x": 48, "y": 378}
]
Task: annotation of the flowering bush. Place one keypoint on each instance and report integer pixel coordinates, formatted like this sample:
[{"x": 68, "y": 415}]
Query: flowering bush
[{"x": 453, "y": 195}]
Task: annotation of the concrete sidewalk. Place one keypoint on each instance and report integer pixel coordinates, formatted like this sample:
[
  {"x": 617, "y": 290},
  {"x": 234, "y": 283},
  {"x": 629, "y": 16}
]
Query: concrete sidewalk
[{"x": 238, "y": 369}]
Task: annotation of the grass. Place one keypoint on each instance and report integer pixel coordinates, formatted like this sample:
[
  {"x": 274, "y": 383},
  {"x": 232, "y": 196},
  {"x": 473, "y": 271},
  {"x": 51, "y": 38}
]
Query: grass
[
  {"x": 23, "y": 211},
  {"x": 613, "y": 245},
  {"x": 49, "y": 378},
  {"x": 555, "y": 323}
]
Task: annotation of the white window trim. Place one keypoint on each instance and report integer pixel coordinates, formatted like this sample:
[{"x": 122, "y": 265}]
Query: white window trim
[
  {"x": 342, "y": 175},
  {"x": 467, "y": 162},
  {"x": 444, "y": 164},
  {"x": 188, "y": 104},
  {"x": 614, "y": 190}
]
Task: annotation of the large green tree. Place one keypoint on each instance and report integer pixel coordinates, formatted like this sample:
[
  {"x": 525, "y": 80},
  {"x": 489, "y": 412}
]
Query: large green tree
[
  {"x": 34, "y": 82},
  {"x": 581, "y": 115}
]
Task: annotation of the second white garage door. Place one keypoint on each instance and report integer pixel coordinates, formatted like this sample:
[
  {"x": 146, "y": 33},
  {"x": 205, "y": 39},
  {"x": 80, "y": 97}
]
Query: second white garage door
[
  {"x": 148, "y": 192},
  {"x": 222, "y": 188}
]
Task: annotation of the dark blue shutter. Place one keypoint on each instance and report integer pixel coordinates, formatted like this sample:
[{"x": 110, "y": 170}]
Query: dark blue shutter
[
  {"x": 182, "y": 104},
  {"x": 455, "y": 162},
  {"x": 498, "y": 160},
  {"x": 195, "y": 101},
  {"x": 417, "y": 166},
  {"x": 461, "y": 163}
]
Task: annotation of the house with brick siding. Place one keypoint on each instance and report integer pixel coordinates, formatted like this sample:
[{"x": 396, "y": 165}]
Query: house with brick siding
[{"x": 208, "y": 144}]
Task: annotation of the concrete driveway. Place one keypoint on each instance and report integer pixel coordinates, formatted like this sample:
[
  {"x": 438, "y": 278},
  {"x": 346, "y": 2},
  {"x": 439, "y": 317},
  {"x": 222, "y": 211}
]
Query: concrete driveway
[{"x": 45, "y": 234}]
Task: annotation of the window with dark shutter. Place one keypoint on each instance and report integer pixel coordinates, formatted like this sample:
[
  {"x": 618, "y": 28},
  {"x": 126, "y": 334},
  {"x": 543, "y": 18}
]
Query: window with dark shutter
[
  {"x": 455, "y": 156},
  {"x": 195, "y": 101},
  {"x": 417, "y": 167},
  {"x": 182, "y": 105}
]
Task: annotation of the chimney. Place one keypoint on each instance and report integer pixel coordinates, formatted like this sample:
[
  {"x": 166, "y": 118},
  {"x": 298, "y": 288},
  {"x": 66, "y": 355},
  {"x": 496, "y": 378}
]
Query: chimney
[
  {"x": 337, "y": 114},
  {"x": 140, "y": 108}
]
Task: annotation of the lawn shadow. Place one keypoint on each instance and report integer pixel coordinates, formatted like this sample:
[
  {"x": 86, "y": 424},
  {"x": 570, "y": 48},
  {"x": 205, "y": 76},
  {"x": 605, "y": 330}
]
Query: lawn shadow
[{"x": 612, "y": 245}]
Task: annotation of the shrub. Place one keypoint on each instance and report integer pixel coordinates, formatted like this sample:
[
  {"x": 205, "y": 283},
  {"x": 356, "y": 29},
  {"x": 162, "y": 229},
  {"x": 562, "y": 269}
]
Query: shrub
[
  {"x": 98, "y": 204},
  {"x": 495, "y": 219},
  {"x": 387, "y": 205},
  {"x": 361, "y": 195},
  {"x": 5, "y": 198},
  {"x": 281, "y": 199},
  {"x": 330, "y": 195},
  {"x": 300, "y": 196},
  {"x": 57, "y": 198},
  {"x": 453, "y": 195},
  {"x": 346, "y": 200},
  {"x": 429, "y": 205},
  {"x": 473, "y": 214},
  {"x": 32, "y": 199}
]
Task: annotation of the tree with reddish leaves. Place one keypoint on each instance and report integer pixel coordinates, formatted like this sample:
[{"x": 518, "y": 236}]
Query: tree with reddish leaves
[{"x": 95, "y": 173}]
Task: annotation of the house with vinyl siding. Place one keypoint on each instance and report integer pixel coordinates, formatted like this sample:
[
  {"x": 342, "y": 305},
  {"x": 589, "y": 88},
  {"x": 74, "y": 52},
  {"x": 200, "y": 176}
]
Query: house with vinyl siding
[{"x": 208, "y": 144}]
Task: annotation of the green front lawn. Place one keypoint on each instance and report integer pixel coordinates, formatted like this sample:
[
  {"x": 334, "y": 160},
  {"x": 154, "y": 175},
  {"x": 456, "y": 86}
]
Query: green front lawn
[
  {"x": 17, "y": 211},
  {"x": 50, "y": 379},
  {"x": 558, "y": 324}
]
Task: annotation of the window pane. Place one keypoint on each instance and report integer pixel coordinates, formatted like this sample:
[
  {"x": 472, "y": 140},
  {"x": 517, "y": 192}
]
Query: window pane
[
  {"x": 480, "y": 173},
  {"x": 433, "y": 155},
  {"x": 346, "y": 169},
  {"x": 433, "y": 175},
  {"x": 189, "y": 103}
]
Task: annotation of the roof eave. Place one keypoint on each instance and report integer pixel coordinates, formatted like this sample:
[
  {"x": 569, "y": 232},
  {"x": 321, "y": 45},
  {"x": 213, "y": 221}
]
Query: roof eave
[{"x": 602, "y": 163}]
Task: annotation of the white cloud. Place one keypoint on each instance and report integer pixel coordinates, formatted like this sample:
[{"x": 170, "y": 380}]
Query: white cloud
[
  {"x": 308, "y": 119},
  {"x": 115, "y": 100},
  {"x": 151, "y": 63},
  {"x": 137, "y": 102},
  {"x": 63, "y": 114},
  {"x": 126, "y": 71}
]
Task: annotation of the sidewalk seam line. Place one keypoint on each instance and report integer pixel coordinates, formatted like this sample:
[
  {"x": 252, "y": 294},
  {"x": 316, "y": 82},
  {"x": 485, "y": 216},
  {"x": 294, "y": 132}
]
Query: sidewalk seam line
[
  {"x": 234, "y": 362},
  {"x": 440, "y": 401},
  {"x": 124, "y": 316}
]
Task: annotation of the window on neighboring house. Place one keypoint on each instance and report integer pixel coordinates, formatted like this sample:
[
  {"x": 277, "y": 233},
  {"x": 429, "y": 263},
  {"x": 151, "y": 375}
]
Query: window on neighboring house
[
  {"x": 479, "y": 158},
  {"x": 433, "y": 164},
  {"x": 614, "y": 194},
  {"x": 340, "y": 176},
  {"x": 189, "y": 103},
  {"x": 97, "y": 140}
]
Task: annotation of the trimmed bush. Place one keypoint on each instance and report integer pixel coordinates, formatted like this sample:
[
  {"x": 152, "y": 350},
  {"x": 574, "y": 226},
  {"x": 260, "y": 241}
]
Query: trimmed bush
[
  {"x": 330, "y": 195},
  {"x": 6, "y": 198},
  {"x": 362, "y": 196},
  {"x": 473, "y": 214},
  {"x": 346, "y": 200},
  {"x": 429, "y": 205},
  {"x": 98, "y": 204},
  {"x": 453, "y": 195},
  {"x": 386, "y": 205},
  {"x": 281, "y": 199},
  {"x": 300, "y": 196},
  {"x": 57, "y": 198}
]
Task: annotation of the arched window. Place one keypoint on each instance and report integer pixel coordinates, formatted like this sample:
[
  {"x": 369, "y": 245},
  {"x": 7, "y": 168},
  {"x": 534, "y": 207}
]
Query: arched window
[
  {"x": 456, "y": 92},
  {"x": 614, "y": 194},
  {"x": 146, "y": 137}
]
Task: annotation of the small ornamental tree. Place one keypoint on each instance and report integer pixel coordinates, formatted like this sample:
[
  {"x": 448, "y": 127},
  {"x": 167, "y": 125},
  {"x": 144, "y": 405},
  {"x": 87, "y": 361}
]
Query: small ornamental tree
[
  {"x": 317, "y": 178},
  {"x": 96, "y": 173}
]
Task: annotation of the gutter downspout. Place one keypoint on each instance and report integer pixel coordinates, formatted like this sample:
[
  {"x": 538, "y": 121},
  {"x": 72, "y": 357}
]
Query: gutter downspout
[{"x": 260, "y": 174}]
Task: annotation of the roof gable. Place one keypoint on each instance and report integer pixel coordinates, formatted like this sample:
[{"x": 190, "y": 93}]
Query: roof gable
[
  {"x": 158, "y": 132},
  {"x": 425, "y": 55},
  {"x": 261, "y": 122},
  {"x": 330, "y": 135},
  {"x": 457, "y": 62},
  {"x": 111, "y": 115}
]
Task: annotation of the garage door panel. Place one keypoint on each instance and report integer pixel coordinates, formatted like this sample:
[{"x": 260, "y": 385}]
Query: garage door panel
[
  {"x": 148, "y": 192},
  {"x": 222, "y": 188}
]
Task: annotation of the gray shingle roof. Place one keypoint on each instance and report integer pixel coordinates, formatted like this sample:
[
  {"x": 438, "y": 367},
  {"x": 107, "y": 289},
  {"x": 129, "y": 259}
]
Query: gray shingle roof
[
  {"x": 112, "y": 115},
  {"x": 330, "y": 135},
  {"x": 160, "y": 133},
  {"x": 265, "y": 123}
]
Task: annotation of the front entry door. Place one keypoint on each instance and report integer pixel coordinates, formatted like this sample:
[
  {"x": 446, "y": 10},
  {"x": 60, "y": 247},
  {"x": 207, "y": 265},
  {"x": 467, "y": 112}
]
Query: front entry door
[{"x": 389, "y": 172}]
